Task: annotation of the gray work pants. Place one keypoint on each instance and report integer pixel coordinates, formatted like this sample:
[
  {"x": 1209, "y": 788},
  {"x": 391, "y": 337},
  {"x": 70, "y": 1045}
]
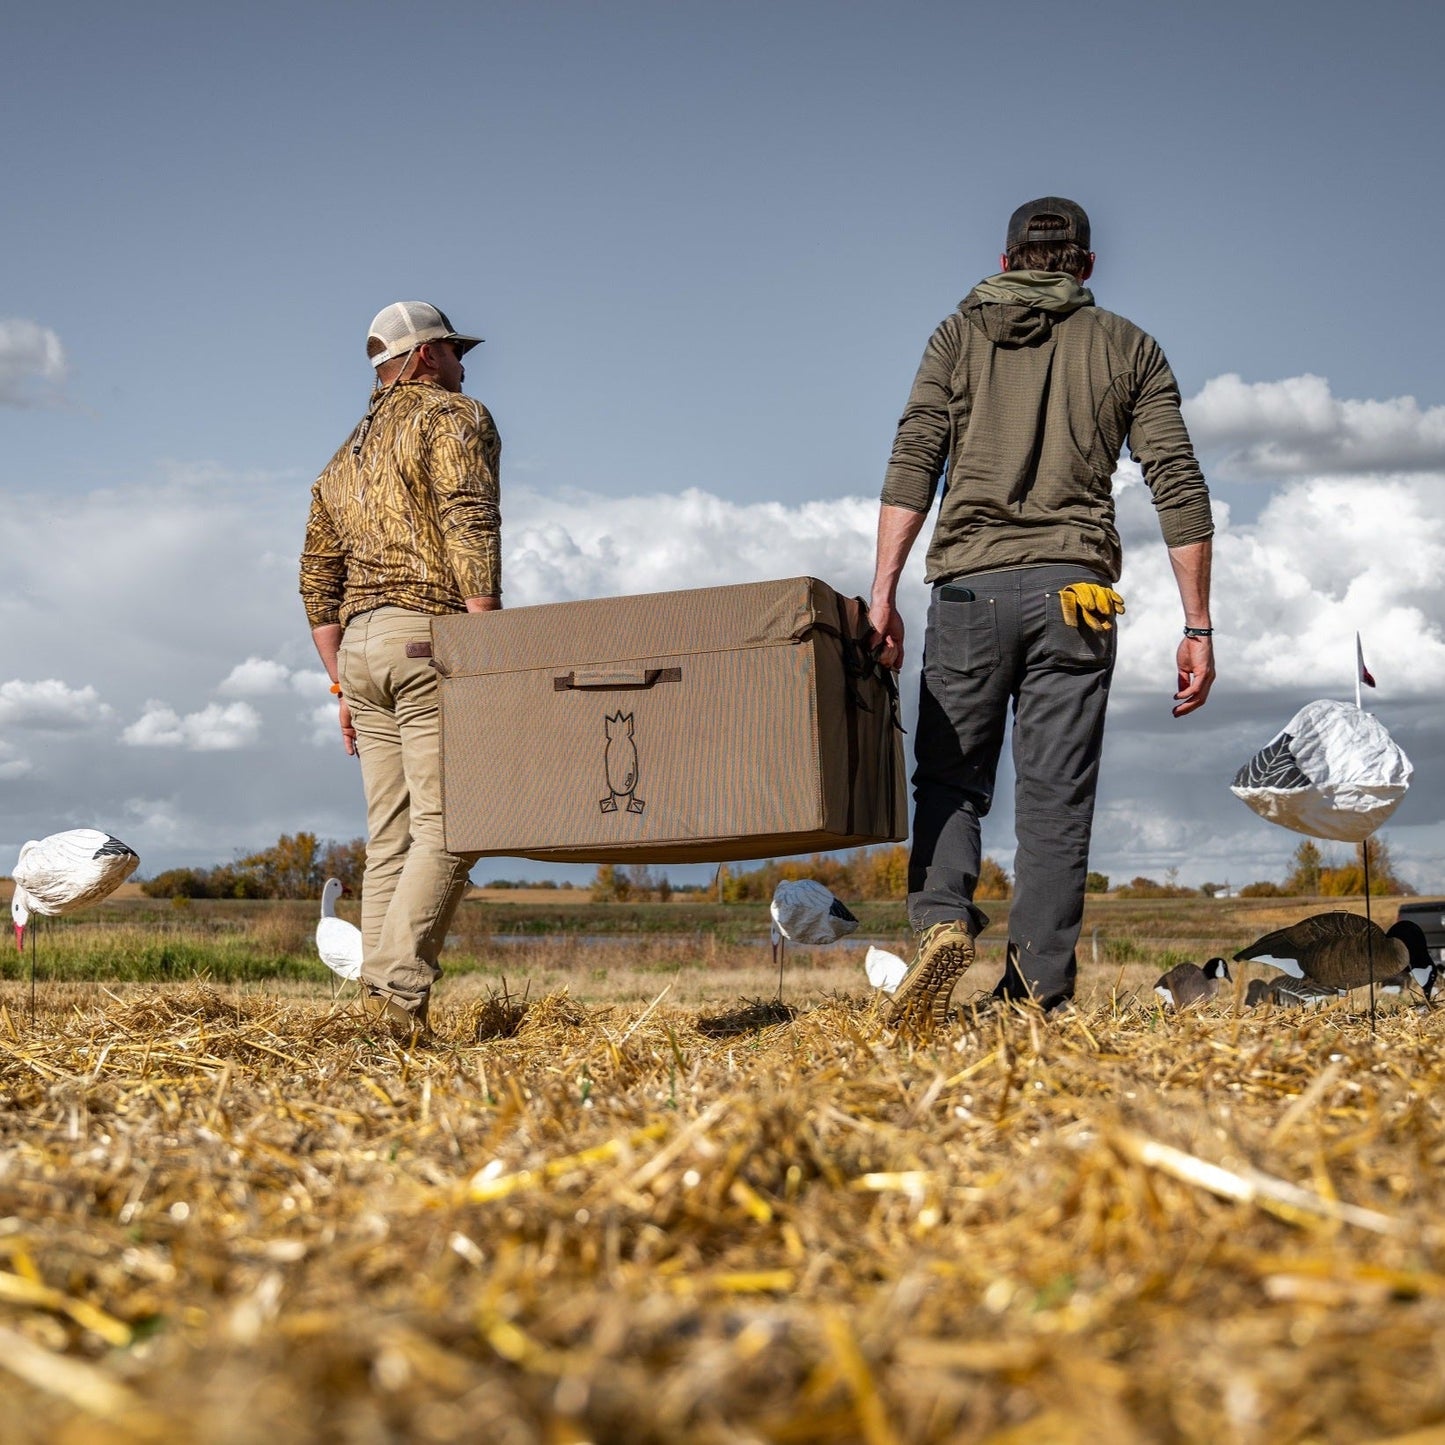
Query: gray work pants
[
  {"x": 1010, "y": 647},
  {"x": 412, "y": 884}
]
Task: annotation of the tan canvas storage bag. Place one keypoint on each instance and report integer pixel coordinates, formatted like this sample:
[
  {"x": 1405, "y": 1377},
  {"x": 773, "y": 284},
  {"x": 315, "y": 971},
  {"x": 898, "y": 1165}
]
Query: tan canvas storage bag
[{"x": 703, "y": 726}]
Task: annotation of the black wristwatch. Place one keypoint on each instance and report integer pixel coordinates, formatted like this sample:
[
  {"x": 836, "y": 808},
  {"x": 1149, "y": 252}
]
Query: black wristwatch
[{"x": 1199, "y": 632}]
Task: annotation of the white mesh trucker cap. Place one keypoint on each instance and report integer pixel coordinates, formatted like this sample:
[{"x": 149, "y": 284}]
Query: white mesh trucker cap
[{"x": 406, "y": 324}]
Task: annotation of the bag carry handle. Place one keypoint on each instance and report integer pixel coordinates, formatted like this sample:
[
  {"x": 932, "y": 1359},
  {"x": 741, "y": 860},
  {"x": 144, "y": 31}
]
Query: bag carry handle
[{"x": 614, "y": 679}]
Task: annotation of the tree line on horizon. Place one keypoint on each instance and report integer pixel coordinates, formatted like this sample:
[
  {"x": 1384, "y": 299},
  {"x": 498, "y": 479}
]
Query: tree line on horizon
[
  {"x": 880, "y": 874},
  {"x": 298, "y": 864}
]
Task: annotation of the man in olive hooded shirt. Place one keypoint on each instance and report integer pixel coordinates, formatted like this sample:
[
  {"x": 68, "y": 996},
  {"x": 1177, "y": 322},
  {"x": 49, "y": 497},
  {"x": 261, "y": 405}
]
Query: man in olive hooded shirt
[{"x": 1024, "y": 397}]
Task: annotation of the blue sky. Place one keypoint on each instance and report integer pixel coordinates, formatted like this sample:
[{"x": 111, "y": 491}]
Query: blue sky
[{"x": 706, "y": 244}]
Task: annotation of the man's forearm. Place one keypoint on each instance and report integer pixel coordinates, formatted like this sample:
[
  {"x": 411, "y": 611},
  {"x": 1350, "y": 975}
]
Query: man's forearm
[
  {"x": 1191, "y": 566},
  {"x": 327, "y": 638},
  {"x": 1195, "y": 655},
  {"x": 898, "y": 528}
]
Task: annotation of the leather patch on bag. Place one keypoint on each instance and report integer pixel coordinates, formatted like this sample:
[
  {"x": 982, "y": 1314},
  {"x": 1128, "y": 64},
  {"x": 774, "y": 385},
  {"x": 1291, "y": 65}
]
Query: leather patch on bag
[{"x": 418, "y": 649}]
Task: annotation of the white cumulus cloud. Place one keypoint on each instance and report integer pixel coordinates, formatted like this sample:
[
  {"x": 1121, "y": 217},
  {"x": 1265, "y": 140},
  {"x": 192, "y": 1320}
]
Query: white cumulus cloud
[
  {"x": 323, "y": 726},
  {"x": 215, "y": 728},
  {"x": 256, "y": 677},
  {"x": 1326, "y": 558},
  {"x": 580, "y": 545},
  {"x": 1297, "y": 426},
  {"x": 32, "y": 362},
  {"x": 49, "y": 705}
]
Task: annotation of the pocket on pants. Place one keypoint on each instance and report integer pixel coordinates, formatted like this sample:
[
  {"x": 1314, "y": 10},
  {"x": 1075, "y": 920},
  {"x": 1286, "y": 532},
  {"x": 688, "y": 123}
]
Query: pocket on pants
[
  {"x": 1077, "y": 649},
  {"x": 964, "y": 636}
]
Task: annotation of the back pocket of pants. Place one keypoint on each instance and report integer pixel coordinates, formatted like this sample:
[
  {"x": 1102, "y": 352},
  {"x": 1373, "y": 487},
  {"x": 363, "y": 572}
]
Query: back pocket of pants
[
  {"x": 1077, "y": 649},
  {"x": 964, "y": 636}
]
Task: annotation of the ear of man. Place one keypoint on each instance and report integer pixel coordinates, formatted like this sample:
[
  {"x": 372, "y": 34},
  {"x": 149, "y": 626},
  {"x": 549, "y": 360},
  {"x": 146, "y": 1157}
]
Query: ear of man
[{"x": 421, "y": 361}]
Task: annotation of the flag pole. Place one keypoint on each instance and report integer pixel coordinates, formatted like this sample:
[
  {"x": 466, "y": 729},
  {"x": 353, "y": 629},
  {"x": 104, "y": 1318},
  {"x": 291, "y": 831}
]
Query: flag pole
[
  {"x": 1369, "y": 931},
  {"x": 1359, "y": 654}
]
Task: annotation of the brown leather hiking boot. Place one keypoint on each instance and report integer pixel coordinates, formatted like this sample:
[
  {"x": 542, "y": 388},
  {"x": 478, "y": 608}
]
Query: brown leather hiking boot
[
  {"x": 381, "y": 1009},
  {"x": 944, "y": 954}
]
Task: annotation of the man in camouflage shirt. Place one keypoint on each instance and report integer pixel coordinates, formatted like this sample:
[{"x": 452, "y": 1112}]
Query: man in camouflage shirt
[
  {"x": 1025, "y": 395},
  {"x": 405, "y": 525}
]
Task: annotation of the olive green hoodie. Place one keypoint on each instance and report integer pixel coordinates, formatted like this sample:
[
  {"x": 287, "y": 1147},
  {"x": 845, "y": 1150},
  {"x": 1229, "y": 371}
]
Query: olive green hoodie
[{"x": 1025, "y": 395}]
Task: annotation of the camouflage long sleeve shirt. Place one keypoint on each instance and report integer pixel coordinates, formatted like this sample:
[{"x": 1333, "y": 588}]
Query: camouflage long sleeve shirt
[{"x": 411, "y": 520}]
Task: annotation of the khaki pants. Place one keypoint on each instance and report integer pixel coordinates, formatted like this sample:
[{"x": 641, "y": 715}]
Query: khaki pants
[{"x": 412, "y": 884}]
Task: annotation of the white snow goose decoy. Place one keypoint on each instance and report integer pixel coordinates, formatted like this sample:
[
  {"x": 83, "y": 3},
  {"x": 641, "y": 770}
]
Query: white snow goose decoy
[
  {"x": 1335, "y": 952},
  {"x": 337, "y": 941},
  {"x": 66, "y": 872},
  {"x": 806, "y": 912},
  {"x": 1187, "y": 983}
]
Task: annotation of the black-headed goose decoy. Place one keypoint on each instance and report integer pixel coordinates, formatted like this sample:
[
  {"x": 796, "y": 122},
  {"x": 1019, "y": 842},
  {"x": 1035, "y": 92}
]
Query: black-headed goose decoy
[
  {"x": 66, "y": 872},
  {"x": 1332, "y": 952},
  {"x": 1284, "y": 993},
  {"x": 1187, "y": 983}
]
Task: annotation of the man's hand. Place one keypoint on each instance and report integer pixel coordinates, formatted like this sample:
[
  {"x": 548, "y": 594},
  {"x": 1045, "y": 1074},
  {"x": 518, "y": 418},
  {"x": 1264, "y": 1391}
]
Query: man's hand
[
  {"x": 886, "y": 637},
  {"x": 348, "y": 731},
  {"x": 897, "y": 527},
  {"x": 1195, "y": 660}
]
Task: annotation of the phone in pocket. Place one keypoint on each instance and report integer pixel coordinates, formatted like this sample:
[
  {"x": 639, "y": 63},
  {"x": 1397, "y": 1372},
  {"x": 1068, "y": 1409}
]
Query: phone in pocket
[{"x": 952, "y": 592}]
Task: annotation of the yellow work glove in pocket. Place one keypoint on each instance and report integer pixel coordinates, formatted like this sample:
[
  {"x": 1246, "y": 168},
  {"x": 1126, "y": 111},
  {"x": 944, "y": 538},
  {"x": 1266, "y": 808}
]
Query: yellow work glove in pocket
[{"x": 1087, "y": 604}]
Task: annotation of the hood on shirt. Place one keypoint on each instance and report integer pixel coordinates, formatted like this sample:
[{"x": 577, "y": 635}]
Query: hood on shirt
[{"x": 1019, "y": 308}]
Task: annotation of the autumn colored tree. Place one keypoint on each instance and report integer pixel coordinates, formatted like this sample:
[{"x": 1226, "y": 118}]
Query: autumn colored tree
[
  {"x": 289, "y": 868},
  {"x": 1151, "y": 888},
  {"x": 1306, "y": 867},
  {"x": 1348, "y": 880},
  {"x": 295, "y": 866},
  {"x": 346, "y": 861},
  {"x": 611, "y": 885},
  {"x": 881, "y": 873},
  {"x": 993, "y": 880}
]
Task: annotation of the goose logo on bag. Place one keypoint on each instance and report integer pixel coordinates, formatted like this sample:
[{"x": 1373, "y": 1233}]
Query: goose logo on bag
[{"x": 620, "y": 762}]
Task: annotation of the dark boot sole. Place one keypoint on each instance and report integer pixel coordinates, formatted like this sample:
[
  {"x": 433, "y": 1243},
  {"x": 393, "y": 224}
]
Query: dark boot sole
[{"x": 934, "y": 982}]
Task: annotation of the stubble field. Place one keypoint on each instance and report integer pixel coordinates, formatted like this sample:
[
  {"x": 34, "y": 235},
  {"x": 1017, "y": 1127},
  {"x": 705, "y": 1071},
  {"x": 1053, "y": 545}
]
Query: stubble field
[{"x": 230, "y": 1211}]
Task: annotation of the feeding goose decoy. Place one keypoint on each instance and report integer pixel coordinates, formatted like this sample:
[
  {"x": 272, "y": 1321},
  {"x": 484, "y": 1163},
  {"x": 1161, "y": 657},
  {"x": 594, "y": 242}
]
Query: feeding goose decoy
[
  {"x": 65, "y": 872},
  {"x": 337, "y": 941},
  {"x": 1423, "y": 979},
  {"x": 1332, "y": 952},
  {"x": 1283, "y": 992},
  {"x": 804, "y": 911},
  {"x": 1188, "y": 983}
]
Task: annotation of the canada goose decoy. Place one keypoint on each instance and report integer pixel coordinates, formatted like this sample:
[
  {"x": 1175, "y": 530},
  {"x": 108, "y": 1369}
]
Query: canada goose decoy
[
  {"x": 1424, "y": 980},
  {"x": 1257, "y": 993},
  {"x": 1333, "y": 951},
  {"x": 1284, "y": 993},
  {"x": 1187, "y": 983}
]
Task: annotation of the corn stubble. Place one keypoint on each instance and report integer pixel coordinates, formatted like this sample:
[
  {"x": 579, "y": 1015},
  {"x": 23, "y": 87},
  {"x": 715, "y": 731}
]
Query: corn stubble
[{"x": 244, "y": 1218}]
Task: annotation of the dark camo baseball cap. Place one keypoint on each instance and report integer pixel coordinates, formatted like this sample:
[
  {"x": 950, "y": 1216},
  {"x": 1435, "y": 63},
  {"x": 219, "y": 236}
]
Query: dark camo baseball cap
[{"x": 1075, "y": 227}]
